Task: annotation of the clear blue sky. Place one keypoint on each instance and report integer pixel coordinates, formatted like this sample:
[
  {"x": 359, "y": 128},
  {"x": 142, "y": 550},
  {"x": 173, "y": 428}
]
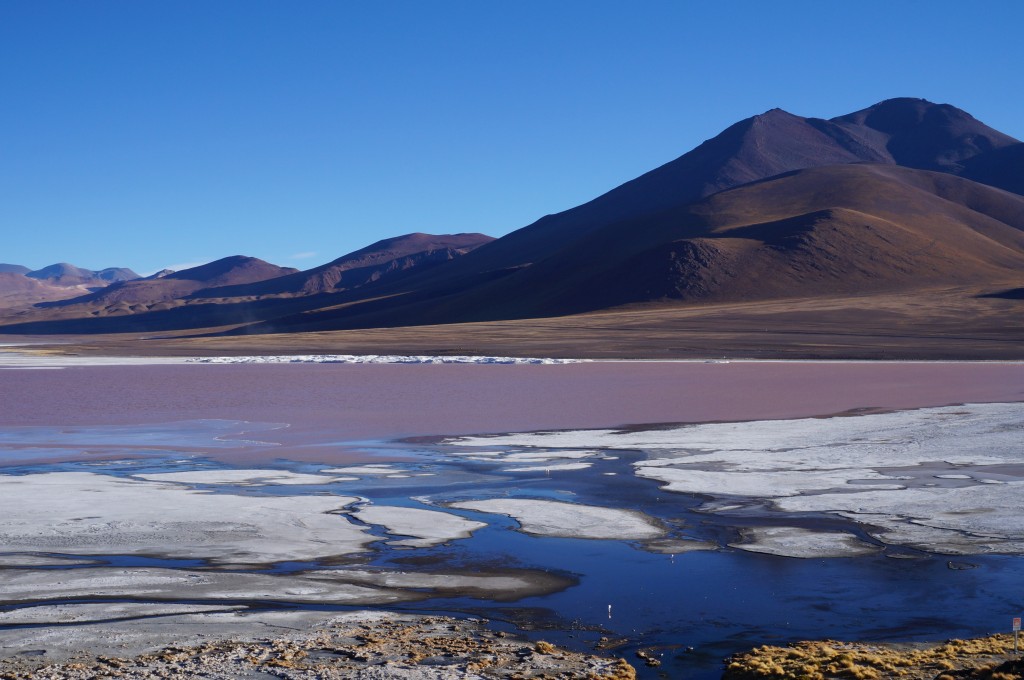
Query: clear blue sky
[{"x": 150, "y": 133}]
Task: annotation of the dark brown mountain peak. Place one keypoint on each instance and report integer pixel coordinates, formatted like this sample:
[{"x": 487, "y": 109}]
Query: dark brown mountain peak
[
  {"x": 231, "y": 270},
  {"x": 62, "y": 271},
  {"x": 397, "y": 246},
  {"x": 918, "y": 133},
  {"x": 64, "y": 274},
  {"x": 897, "y": 115},
  {"x": 383, "y": 259}
]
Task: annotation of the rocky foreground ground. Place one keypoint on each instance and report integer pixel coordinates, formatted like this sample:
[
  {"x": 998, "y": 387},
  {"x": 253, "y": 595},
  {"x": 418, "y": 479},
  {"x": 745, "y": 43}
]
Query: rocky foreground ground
[
  {"x": 989, "y": 658},
  {"x": 387, "y": 646}
]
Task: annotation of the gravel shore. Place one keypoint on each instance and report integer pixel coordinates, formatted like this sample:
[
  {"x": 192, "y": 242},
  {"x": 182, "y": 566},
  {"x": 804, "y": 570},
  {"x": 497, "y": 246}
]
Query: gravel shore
[{"x": 359, "y": 645}]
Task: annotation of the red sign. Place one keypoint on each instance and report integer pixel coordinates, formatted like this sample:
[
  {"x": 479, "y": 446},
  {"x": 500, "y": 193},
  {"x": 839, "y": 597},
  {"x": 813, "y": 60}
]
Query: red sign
[{"x": 1016, "y": 623}]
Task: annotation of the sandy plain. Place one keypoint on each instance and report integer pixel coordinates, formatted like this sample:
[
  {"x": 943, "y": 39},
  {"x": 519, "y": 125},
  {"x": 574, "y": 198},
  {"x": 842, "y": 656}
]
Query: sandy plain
[{"x": 950, "y": 323}]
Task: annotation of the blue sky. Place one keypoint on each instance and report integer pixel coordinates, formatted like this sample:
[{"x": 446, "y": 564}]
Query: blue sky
[{"x": 151, "y": 134}]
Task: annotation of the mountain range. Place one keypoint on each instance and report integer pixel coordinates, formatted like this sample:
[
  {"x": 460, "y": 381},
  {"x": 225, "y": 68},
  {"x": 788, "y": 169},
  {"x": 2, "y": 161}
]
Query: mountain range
[
  {"x": 902, "y": 196},
  {"x": 20, "y": 285}
]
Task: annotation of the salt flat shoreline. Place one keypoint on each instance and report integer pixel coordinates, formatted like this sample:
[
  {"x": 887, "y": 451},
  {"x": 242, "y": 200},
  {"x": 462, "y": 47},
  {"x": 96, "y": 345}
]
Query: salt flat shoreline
[{"x": 48, "y": 355}]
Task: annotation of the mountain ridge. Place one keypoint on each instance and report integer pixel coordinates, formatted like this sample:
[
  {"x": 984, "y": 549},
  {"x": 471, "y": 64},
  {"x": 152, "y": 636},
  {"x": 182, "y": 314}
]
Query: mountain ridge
[{"x": 776, "y": 206}]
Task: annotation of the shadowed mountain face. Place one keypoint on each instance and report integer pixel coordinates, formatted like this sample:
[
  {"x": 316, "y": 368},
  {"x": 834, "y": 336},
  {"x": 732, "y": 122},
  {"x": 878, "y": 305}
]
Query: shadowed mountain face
[
  {"x": 838, "y": 229},
  {"x": 909, "y": 132},
  {"x": 918, "y": 134},
  {"x": 21, "y": 286},
  {"x": 381, "y": 260},
  {"x": 228, "y": 271},
  {"x": 902, "y": 195},
  {"x": 245, "y": 289},
  {"x": 18, "y": 289}
]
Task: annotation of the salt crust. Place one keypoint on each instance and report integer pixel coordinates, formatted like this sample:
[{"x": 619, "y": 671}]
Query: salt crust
[
  {"x": 676, "y": 546},
  {"x": 173, "y": 584},
  {"x": 529, "y": 456},
  {"x": 31, "y": 560},
  {"x": 154, "y": 514},
  {"x": 798, "y": 542},
  {"x": 425, "y": 527},
  {"x": 334, "y": 587},
  {"x": 363, "y": 470},
  {"x": 569, "y": 520},
  {"x": 377, "y": 359},
  {"x": 855, "y": 466},
  {"x": 85, "y": 513},
  {"x": 984, "y": 518},
  {"x": 242, "y": 477},
  {"x": 549, "y": 468},
  {"x": 132, "y": 637},
  {"x": 88, "y": 612}
]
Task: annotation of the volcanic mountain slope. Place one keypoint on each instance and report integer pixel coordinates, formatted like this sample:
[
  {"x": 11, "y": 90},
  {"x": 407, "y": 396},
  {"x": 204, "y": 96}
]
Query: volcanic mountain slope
[
  {"x": 240, "y": 289},
  {"x": 21, "y": 286},
  {"x": 776, "y": 206},
  {"x": 64, "y": 274},
  {"x": 909, "y": 132},
  {"x": 16, "y": 290},
  {"x": 13, "y": 269},
  {"x": 381, "y": 260},
  {"x": 145, "y": 293},
  {"x": 822, "y": 231}
]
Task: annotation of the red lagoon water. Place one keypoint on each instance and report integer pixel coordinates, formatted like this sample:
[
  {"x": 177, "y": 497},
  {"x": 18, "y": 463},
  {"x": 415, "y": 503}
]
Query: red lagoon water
[{"x": 354, "y": 402}]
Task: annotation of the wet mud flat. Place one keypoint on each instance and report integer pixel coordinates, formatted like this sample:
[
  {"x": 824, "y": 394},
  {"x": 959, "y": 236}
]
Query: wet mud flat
[{"x": 674, "y": 545}]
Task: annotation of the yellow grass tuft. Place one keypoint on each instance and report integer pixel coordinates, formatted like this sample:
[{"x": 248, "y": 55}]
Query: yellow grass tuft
[{"x": 973, "y": 659}]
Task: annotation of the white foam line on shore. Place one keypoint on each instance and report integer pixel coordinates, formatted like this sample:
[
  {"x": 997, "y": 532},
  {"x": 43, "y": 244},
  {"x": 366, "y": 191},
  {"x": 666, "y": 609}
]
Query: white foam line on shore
[{"x": 378, "y": 359}]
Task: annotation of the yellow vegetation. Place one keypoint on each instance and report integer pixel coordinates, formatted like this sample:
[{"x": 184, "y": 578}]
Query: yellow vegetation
[
  {"x": 981, "y": 659},
  {"x": 544, "y": 647}
]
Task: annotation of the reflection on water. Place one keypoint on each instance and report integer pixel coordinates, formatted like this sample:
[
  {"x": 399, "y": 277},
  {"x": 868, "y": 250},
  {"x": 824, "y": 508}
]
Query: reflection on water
[{"x": 693, "y": 608}]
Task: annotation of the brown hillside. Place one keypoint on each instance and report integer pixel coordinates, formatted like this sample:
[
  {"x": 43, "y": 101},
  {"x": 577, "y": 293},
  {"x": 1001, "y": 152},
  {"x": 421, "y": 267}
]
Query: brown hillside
[{"x": 838, "y": 229}]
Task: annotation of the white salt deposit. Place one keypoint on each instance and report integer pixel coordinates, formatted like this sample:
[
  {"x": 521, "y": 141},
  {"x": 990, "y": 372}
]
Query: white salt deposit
[
  {"x": 964, "y": 520},
  {"x": 203, "y": 586},
  {"x": 840, "y": 465},
  {"x": 569, "y": 520},
  {"x": 424, "y": 527},
  {"x": 877, "y": 469},
  {"x": 91, "y": 514},
  {"x": 40, "y": 615},
  {"x": 34, "y": 560},
  {"x": 549, "y": 468},
  {"x": 378, "y": 359},
  {"x": 333, "y": 587},
  {"x": 676, "y": 546},
  {"x": 363, "y": 470},
  {"x": 798, "y": 542},
  {"x": 243, "y": 477},
  {"x": 757, "y": 483}
]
